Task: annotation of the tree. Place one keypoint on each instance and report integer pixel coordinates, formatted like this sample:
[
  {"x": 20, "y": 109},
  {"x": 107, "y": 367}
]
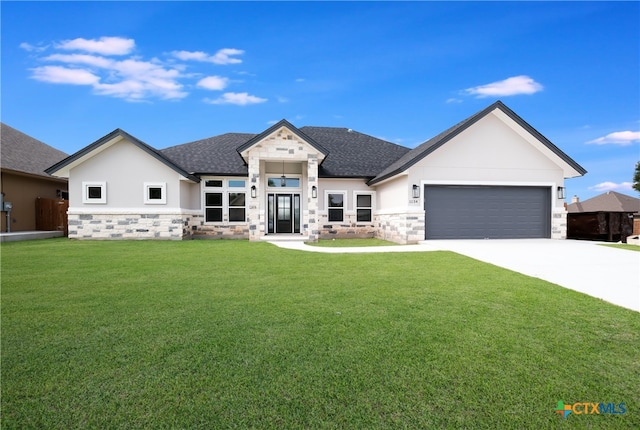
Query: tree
[{"x": 636, "y": 178}]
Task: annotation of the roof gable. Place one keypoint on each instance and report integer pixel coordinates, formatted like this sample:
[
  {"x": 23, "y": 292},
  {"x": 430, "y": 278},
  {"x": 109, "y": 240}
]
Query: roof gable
[
  {"x": 23, "y": 153},
  {"x": 63, "y": 167},
  {"x": 428, "y": 147},
  {"x": 273, "y": 129},
  {"x": 610, "y": 201}
]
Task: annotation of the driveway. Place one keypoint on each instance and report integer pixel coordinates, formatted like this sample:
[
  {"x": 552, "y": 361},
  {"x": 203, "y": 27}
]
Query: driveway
[{"x": 606, "y": 273}]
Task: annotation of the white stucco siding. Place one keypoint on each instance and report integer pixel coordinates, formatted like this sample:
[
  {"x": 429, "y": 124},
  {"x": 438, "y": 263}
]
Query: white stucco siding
[
  {"x": 349, "y": 186},
  {"x": 190, "y": 195},
  {"x": 492, "y": 153},
  {"x": 125, "y": 169},
  {"x": 393, "y": 194},
  {"x": 488, "y": 151}
]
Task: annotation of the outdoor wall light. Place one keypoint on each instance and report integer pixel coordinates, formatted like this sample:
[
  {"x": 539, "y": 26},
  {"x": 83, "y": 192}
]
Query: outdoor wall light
[
  {"x": 416, "y": 191},
  {"x": 561, "y": 193},
  {"x": 253, "y": 191},
  {"x": 314, "y": 192}
]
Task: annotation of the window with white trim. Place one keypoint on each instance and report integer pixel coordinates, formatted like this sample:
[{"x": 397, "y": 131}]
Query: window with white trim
[
  {"x": 94, "y": 192},
  {"x": 364, "y": 204},
  {"x": 225, "y": 200},
  {"x": 155, "y": 193},
  {"x": 336, "y": 202}
]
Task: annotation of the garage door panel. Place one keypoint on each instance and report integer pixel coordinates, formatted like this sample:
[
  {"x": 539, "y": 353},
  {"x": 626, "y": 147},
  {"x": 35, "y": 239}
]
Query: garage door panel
[{"x": 478, "y": 212}]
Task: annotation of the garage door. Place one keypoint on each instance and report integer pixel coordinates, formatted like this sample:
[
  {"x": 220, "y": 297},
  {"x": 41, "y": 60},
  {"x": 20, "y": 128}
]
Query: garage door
[{"x": 479, "y": 212}]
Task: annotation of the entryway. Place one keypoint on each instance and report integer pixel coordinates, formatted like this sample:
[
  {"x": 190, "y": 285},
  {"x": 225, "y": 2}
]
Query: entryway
[{"x": 283, "y": 213}]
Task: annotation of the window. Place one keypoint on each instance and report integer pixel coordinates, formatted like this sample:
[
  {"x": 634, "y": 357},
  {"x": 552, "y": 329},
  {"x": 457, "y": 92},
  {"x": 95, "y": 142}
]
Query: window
[
  {"x": 213, "y": 207},
  {"x": 155, "y": 193},
  {"x": 273, "y": 182},
  {"x": 363, "y": 207},
  {"x": 335, "y": 206},
  {"x": 237, "y": 207},
  {"x": 94, "y": 192},
  {"x": 225, "y": 203}
]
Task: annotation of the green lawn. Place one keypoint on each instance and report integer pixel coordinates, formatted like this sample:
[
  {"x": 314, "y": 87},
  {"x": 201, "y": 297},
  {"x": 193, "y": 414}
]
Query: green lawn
[
  {"x": 624, "y": 246},
  {"x": 232, "y": 334}
]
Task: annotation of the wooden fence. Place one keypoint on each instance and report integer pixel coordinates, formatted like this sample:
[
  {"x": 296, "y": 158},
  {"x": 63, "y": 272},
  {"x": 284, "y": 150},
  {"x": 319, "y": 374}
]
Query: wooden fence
[{"x": 51, "y": 214}]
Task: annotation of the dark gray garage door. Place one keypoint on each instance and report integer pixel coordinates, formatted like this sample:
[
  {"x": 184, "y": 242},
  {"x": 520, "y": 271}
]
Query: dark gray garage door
[{"x": 479, "y": 212}]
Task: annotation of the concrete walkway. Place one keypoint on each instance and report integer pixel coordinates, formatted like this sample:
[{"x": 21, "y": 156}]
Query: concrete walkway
[
  {"x": 599, "y": 271},
  {"x": 29, "y": 235}
]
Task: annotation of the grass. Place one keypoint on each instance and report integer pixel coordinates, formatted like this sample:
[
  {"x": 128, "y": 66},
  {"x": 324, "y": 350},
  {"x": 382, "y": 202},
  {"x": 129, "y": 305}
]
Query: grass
[
  {"x": 355, "y": 242},
  {"x": 623, "y": 246},
  {"x": 231, "y": 334}
]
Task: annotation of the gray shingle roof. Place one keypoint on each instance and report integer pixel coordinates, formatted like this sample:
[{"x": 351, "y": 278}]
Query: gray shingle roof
[
  {"x": 350, "y": 154},
  {"x": 216, "y": 155},
  {"x": 23, "y": 153},
  {"x": 610, "y": 201},
  {"x": 421, "y": 151},
  {"x": 353, "y": 154}
]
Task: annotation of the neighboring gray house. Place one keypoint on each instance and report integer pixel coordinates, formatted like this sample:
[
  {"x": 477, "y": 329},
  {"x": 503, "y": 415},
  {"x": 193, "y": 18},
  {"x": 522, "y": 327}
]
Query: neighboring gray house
[{"x": 490, "y": 176}]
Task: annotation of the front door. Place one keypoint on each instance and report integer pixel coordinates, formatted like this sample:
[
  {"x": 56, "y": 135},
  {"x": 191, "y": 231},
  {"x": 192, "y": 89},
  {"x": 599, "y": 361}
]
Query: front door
[{"x": 283, "y": 213}]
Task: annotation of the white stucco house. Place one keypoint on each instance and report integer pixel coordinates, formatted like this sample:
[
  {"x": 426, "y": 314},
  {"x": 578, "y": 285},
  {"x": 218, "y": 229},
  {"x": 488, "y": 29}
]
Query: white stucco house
[{"x": 490, "y": 176}]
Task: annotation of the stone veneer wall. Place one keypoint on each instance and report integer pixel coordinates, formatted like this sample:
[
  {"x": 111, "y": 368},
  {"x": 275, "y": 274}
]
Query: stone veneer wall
[
  {"x": 404, "y": 228},
  {"x": 199, "y": 230},
  {"x": 128, "y": 226},
  {"x": 559, "y": 224},
  {"x": 349, "y": 228}
]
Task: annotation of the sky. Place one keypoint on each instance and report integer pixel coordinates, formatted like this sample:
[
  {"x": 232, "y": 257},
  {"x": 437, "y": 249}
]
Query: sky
[{"x": 174, "y": 72}]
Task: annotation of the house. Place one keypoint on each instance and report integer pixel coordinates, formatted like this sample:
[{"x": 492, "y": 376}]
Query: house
[
  {"x": 489, "y": 176},
  {"x": 23, "y": 161},
  {"x": 608, "y": 217}
]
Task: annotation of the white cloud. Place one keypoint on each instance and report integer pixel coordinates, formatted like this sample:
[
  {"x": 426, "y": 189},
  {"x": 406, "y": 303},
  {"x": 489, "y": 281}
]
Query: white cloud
[
  {"x": 215, "y": 83},
  {"x": 131, "y": 77},
  {"x": 509, "y": 87},
  {"x": 453, "y": 100},
  {"x": 241, "y": 99},
  {"x": 64, "y": 75},
  {"x": 31, "y": 48},
  {"x": 104, "y": 45},
  {"x": 617, "y": 138},
  {"x": 89, "y": 60},
  {"x": 190, "y": 56},
  {"x": 612, "y": 186},
  {"x": 223, "y": 56},
  {"x": 138, "y": 90}
]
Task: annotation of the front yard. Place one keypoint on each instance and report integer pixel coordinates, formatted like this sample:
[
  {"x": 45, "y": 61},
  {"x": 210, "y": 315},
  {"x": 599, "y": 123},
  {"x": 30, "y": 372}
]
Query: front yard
[{"x": 231, "y": 334}]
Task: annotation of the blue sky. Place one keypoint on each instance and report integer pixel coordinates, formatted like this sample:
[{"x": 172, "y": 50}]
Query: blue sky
[{"x": 174, "y": 72}]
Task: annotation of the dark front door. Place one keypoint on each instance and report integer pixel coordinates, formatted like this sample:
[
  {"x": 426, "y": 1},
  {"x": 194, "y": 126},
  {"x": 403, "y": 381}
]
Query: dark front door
[{"x": 284, "y": 213}]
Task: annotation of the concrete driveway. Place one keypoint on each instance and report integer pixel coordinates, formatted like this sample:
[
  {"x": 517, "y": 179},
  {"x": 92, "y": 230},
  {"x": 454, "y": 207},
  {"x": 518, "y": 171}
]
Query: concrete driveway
[{"x": 599, "y": 271}]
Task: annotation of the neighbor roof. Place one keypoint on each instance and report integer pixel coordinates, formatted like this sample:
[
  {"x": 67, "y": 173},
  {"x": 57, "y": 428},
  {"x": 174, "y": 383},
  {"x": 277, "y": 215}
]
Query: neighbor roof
[
  {"x": 421, "y": 151},
  {"x": 610, "y": 201},
  {"x": 23, "y": 153}
]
